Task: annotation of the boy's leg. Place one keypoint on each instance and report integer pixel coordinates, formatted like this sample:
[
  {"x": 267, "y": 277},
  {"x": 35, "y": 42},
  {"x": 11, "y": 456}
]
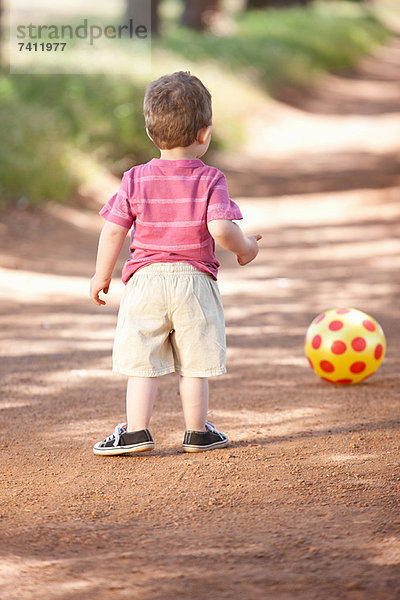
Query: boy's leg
[
  {"x": 140, "y": 394},
  {"x": 200, "y": 435},
  {"x": 133, "y": 436},
  {"x": 194, "y": 395}
]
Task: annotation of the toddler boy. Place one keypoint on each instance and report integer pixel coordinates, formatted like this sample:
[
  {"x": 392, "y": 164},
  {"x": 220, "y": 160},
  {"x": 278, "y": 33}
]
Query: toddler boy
[{"x": 171, "y": 316}]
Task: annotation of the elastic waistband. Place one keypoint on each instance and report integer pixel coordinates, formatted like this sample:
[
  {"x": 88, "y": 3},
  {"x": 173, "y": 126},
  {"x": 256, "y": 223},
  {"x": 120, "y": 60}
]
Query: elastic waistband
[{"x": 177, "y": 268}]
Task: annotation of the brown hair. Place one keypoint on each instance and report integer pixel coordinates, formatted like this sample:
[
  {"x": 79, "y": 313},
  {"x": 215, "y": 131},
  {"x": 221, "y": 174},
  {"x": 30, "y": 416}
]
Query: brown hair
[{"x": 175, "y": 108}]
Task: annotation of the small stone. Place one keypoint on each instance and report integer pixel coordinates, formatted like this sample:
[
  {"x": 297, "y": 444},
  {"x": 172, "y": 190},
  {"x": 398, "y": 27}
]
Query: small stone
[{"x": 355, "y": 585}]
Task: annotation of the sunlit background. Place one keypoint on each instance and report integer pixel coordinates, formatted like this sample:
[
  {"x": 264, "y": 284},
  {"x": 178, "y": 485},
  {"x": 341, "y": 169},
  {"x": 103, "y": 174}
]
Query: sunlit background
[{"x": 79, "y": 123}]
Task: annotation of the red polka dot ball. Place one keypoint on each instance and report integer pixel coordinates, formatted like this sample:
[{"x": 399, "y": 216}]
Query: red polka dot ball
[{"x": 344, "y": 345}]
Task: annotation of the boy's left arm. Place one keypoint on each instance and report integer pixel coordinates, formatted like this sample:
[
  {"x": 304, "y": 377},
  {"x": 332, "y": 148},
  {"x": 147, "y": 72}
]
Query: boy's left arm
[
  {"x": 229, "y": 235},
  {"x": 111, "y": 240}
]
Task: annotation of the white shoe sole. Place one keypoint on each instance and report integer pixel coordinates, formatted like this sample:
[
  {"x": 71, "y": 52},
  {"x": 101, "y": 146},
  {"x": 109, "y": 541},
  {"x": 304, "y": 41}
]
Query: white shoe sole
[{"x": 123, "y": 449}]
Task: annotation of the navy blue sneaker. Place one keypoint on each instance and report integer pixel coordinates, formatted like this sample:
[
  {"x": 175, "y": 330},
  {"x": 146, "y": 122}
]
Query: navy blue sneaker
[
  {"x": 200, "y": 441},
  {"x": 123, "y": 442}
]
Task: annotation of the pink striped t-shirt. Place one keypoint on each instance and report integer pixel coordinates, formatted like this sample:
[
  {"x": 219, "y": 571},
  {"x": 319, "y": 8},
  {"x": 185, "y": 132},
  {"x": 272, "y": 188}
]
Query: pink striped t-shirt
[{"x": 168, "y": 204}]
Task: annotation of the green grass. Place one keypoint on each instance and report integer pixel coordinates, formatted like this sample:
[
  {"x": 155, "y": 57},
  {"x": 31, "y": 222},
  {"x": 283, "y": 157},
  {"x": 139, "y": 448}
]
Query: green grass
[
  {"x": 48, "y": 122},
  {"x": 34, "y": 154},
  {"x": 289, "y": 46}
]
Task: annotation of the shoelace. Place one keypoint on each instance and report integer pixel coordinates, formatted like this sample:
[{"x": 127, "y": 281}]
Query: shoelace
[
  {"x": 121, "y": 428},
  {"x": 212, "y": 428}
]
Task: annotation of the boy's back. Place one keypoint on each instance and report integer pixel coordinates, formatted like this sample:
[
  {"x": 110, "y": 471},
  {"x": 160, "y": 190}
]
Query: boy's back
[{"x": 169, "y": 203}]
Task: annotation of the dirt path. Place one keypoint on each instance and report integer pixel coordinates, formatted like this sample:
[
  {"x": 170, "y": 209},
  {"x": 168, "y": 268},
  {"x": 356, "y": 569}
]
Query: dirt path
[{"x": 304, "y": 504}]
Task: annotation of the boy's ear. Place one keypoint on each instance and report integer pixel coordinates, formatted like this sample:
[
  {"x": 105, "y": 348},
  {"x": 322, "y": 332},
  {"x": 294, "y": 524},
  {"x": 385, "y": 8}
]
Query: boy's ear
[
  {"x": 147, "y": 131},
  {"x": 204, "y": 134}
]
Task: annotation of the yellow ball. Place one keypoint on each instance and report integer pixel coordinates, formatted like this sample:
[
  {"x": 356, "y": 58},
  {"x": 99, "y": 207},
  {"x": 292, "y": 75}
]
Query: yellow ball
[{"x": 344, "y": 345}]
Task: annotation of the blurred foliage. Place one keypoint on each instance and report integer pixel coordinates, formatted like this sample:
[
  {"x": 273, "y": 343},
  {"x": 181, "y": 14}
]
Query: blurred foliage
[
  {"x": 33, "y": 153},
  {"x": 284, "y": 47},
  {"x": 51, "y": 123}
]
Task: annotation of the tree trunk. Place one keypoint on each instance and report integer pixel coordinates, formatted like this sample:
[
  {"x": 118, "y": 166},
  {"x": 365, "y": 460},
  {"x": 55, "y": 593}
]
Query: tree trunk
[
  {"x": 197, "y": 13},
  {"x": 138, "y": 12}
]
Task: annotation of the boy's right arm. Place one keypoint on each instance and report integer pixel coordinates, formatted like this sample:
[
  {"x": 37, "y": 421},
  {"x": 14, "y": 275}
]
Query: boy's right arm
[
  {"x": 111, "y": 240},
  {"x": 229, "y": 235}
]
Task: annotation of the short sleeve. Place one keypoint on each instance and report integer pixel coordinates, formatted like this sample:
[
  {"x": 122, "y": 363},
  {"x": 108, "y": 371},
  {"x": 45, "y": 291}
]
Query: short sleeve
[
  {"x": 118, "y": 209},
  {"x": 220, "y": 206}
]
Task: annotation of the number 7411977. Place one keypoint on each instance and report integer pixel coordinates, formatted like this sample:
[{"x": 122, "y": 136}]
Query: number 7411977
[{"x": 42, "y": 46}]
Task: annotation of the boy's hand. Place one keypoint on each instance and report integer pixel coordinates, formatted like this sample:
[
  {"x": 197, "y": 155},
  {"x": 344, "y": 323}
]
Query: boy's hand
[
  {"x": 98, "y": 285},
  {"x": 251, "y": 253}
]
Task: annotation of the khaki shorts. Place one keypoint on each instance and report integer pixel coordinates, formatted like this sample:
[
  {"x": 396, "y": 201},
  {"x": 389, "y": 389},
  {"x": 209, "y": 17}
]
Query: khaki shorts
[{"x": 170, "y": 319}]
